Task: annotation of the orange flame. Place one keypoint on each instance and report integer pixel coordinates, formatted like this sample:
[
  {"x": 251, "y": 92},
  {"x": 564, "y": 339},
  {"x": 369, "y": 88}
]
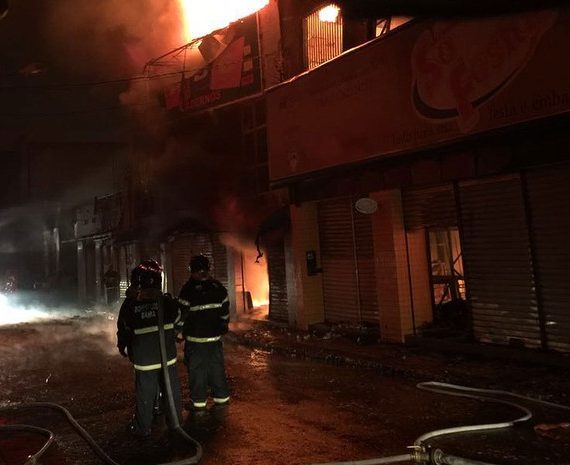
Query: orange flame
[
  {"x": 256, "y": 278},
  {"x": 204, "y": 16},
  {"x": 255, "y": 274}
]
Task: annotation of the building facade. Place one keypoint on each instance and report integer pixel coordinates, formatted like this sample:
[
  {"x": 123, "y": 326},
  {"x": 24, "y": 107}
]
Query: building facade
[{"x": 455, "y": 133}]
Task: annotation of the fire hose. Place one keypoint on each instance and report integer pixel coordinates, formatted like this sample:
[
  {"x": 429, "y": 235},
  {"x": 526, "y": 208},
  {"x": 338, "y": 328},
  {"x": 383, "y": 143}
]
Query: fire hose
[
  {"x": 168, "y": 388},
  {"x": 423, "y": 453},
  {"x": 34, "y": 458}
]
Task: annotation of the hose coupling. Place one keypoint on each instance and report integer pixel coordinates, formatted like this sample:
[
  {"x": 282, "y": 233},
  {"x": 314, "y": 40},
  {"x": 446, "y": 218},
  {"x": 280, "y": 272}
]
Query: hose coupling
[{"x": 419, "y": 454}]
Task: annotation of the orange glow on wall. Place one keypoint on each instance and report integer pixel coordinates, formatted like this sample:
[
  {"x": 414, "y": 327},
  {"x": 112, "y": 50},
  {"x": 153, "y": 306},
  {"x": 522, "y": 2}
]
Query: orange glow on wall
[{"x": 204, "y": 16}]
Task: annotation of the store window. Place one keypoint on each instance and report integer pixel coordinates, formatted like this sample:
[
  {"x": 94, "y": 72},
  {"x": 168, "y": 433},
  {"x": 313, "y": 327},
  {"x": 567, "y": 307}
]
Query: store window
[
  {"x": 385, "y": 25},
  {"x": 322, "y": 35},
  {"x": 255, "y": 171},
  {"x": 447, "y": 276}
]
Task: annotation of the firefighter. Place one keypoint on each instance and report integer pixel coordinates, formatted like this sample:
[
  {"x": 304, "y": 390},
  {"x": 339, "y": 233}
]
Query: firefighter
[
  {"x": 205, "y": 320},
  {"x": 137, "y": 332}
]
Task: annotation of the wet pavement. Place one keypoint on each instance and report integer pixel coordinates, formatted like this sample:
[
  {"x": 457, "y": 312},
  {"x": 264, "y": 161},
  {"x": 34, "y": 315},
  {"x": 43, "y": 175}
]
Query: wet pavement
[{"x": 286, "y": 408}]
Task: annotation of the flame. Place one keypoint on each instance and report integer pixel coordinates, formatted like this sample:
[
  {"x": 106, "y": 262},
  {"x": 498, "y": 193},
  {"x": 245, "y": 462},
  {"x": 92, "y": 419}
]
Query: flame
[
  {"x": 202, "y": 17},
  {"x": 255, "y": 275}
]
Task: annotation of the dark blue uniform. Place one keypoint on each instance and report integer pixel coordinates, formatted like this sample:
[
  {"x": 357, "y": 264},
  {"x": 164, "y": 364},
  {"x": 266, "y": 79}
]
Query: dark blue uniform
[
  {"x": 137, "y": 329},
  {"x": 204, "y": 322}
]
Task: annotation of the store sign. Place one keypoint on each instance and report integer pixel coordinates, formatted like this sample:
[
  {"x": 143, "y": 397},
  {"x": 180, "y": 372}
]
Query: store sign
[
  {"x": 424, "y": 85},
  {"x": 234, "y": 73}
]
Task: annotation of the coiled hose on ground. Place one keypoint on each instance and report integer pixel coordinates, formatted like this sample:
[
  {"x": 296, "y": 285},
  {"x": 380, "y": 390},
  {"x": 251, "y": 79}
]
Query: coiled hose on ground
[
  {"x": 34, "y": 458},
  {"x": 420, "y": 450}
]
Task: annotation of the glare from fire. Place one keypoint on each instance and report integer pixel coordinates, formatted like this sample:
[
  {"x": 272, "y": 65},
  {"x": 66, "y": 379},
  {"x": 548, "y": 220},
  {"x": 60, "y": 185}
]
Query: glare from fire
[
  {"x": 251, "y": 273},
  {"x": 329, "y": 14},
  {"x": 202, "y": 17},
  {"x": 13, "y": 312},
  {"x": 256, "y": 277}
]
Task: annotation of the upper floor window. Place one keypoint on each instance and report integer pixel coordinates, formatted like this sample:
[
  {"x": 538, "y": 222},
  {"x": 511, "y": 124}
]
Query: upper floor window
[
  {"x": 322, "y": 35},
  {"x": 385, "y": 25}
]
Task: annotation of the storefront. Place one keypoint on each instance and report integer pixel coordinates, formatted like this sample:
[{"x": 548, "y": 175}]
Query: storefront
[{"x": 458, "y": 131}]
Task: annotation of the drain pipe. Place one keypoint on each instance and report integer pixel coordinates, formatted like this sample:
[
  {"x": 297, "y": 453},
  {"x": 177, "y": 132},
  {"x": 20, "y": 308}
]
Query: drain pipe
[{"x": 168, "y": 387}]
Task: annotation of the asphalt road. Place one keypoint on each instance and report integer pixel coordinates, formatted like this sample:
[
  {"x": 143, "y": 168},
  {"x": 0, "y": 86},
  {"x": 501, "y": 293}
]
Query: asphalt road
[{"x": 283, "y": 411}]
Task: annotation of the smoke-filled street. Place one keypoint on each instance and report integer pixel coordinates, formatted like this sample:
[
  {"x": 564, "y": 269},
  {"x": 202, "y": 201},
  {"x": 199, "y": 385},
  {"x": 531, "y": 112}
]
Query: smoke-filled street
[
  {"x": 300, "y": 210},
  {"x": 283, "y": 410}
]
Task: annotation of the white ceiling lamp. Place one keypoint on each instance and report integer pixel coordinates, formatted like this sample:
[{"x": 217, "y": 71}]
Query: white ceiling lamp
[
  {"x": 366, "y": 205},
  {"x": 329, "y": 14}
]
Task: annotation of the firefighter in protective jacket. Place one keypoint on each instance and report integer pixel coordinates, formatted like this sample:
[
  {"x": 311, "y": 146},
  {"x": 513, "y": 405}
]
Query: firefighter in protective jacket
[
  {"x": 137, "y": 331},
  {"x": 205, "y": 320}
]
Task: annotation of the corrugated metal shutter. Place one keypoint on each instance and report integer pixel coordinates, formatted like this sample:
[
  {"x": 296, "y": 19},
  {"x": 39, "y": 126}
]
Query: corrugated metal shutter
[
  {"x": 277, "y": 281},
  {"x": 202, "y": 244},
  {"x": 347, "y": 258},
  {"x": 129, "y": 258},
  {"x": 220, "y": 261},
  {"x": 183, "y": 248},
  {"x": 364, "y": 244},
  {"x": 549, "y": 199},
  {"x": 433, "y": 207},
  {"x": 181, "y": 253},
  {"x": 123, "y": 271},
  {"x": 497, "y": 257}
]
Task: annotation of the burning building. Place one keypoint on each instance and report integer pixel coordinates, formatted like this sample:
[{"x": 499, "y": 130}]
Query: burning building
[
  {"x": 401, "y": 176},
  {"x": 199, "y": 179}
]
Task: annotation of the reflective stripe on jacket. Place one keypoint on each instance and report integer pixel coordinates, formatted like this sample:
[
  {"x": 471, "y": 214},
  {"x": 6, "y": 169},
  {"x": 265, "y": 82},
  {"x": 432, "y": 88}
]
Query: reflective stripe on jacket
[
  {"x": 205, "y": 310},
  {"x": 139, "y": 318}
]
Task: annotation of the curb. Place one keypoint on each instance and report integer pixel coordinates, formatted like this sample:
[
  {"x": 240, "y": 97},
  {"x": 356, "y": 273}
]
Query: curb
[{"x": 337, "y": 358}]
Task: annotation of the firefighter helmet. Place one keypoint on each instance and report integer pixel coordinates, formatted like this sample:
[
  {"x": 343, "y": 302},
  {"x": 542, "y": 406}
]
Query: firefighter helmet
[
  {"x": 147, "y": 274},
  {"x": 199, "y": 263}
]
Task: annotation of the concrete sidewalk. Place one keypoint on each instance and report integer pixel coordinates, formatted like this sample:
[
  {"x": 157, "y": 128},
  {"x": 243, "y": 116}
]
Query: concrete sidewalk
[{"x": 521, "y": 371}]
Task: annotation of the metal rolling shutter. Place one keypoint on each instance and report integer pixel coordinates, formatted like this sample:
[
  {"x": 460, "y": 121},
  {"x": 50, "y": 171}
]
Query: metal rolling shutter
[
  {"x": 549, "y": 199},
  {"x": 347, "y": 258},
  {"x": 432, "y": 207},
  {"x": 277, "y": 281},
  {"x": 364, "y": 244},
  {"x": 220, "y": 261},
  {"x": 496, "y": 248},
  {"x": 202, "y": 244},
  {"x": 181, "y": 253},
  {"x": 183, "y": 248}
]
